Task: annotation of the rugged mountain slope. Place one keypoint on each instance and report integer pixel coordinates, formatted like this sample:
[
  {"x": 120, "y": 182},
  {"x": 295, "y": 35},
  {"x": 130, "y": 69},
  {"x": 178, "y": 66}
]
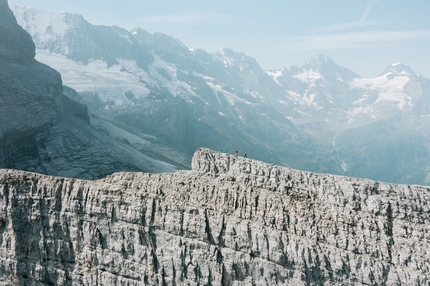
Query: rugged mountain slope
[
  {"x": 44, "y": 131},
  {"x": 182, "y": 98},
  {"x": 304, "y": 117},
  {"x": 28, "y": 106},
  {"x": 229, "y": 221},
  {"x": 322, "y": 89}
]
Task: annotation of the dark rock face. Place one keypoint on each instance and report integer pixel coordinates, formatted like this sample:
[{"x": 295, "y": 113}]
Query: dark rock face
[
  {"x": 229, "y": 221},
  {"x": 28, "y": 89},
  {"x": 15, "y": 43},
  {"x": 42, "y": 130},
  {"x": 28, "y": 99},
  {"x": 72, "y": 147}
]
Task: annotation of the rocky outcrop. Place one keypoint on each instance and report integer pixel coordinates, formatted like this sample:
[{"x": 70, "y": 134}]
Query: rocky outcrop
[
  {"x": 15, "y": 43},
  {"x": 229, "y": 221},
  {"x": 28, "y": 89}
]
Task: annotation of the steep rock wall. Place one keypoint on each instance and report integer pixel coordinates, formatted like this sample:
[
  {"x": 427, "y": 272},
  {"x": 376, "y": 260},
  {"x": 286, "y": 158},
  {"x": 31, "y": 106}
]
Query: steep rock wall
[
  {"x": 28, "y": 89},
  {"x": 15, "y": 43},
  {"x": 229, "y": 221}
]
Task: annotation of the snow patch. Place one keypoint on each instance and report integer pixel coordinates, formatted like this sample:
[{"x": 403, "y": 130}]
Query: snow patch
[
  {"x": 295, "y": 96},
  {"x": 389, "y": 87},
  {"x": 42, "y": 25},
  {"x": 109, "y": 83},
  {"x": 218, "y": 90},
  {"x": 309, "y": 76},
  {"x": 124, "y": 36},
  {"x": 360, "y": 110},
  {"x": 174, "y": 86},
  {"x": 275, "y": 75}
]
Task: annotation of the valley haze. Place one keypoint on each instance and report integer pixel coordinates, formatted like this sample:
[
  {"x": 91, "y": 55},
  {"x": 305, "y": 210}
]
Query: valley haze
[{"x": 151, "y": 91}]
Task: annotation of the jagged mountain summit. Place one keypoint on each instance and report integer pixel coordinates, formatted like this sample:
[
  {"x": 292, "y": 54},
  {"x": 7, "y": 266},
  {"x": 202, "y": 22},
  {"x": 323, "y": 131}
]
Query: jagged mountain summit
[
  {"x": 319, "y": 85},
  {"x": 44, "y": 131},
  {"x": 328, "y": 68},
  {"x": 228, "y": 221},
  {"x": 319, "y": 117}
]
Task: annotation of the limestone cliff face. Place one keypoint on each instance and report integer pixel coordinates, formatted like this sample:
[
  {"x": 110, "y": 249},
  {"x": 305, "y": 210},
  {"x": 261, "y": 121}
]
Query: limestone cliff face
[{"x": 229, "y": 221}]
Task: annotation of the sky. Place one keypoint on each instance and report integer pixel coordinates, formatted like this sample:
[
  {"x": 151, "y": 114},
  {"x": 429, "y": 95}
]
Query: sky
[{"x": 362, "y": 35}]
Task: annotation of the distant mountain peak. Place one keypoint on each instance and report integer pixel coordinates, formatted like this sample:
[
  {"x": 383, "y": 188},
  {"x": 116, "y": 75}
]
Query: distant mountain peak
[
  {"x": 45, "y": 25},
  {"x": 136, "y": 30},
  {"x": 229, "y": 57},
  {"x": 398, "y": 68},
  {"x": 227, "y": 52},
  {"x": 327, "y": 67},
  {"x": 234, "y": 59},
  {"x": 318, "y": 61}
]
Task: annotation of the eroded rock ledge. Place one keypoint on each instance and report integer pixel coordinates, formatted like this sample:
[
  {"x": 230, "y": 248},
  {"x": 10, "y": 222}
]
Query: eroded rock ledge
[{"x": 229, "y": 221}]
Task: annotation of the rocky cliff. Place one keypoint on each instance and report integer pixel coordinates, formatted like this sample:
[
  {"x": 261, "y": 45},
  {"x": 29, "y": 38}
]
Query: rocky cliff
[
  {"x": 228, "y": 221},
  {"x": 28, "y": 89}
]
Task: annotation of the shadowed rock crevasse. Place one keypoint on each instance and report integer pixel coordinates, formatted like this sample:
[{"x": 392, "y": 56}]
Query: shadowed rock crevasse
[{"x": 229, "y": 221}]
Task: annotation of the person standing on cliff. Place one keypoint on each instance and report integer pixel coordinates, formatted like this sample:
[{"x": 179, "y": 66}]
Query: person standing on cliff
[
  {"x": 245, "y": 154},
  {"x": 235, "y": 152}
]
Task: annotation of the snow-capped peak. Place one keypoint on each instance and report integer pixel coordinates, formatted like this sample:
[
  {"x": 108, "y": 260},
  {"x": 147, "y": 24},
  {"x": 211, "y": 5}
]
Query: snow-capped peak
[
  {"x": 43, "y": 25},
  {"x": 318, "y": 61},
  {"x": 231, "y": 58},
  {"x": 399, "y": 69},
  {"x": 328, "y": 68},
  {"x": 136, "y": 30}
]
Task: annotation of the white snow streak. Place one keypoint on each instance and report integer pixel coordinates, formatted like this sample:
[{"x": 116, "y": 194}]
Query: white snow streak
[
  {"x": 41, "y": 24},
  {"x": 275, "y": 75},
  {"x": 309, "y": 76},
  {"x": 109, "y": 83},
  {"x": 389, "y": 86}
]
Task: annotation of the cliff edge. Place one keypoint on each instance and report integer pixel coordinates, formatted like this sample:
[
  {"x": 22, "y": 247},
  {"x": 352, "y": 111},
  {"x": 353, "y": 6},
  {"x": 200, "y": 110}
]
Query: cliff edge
[{"x": 229, "y": 221}]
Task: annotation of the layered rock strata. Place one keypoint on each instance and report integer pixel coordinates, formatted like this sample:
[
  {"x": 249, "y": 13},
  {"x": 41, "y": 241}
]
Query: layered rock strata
[{"x": 228, "y": 221}]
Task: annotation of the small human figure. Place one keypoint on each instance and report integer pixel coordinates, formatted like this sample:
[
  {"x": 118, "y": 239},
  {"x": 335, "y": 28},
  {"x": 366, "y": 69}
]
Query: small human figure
[
  {"x": 245, "y": 154},
  {"x": 235, "y": 152}
]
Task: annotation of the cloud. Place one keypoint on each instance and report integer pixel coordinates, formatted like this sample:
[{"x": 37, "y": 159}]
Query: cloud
[
  {"x": 344, "y": 27},
  {"x": 349, "y": 40},
  {"x": 369, "y": 7},
  {"x": 351, "y": 25},
  {"x": 184, "y": 19}
]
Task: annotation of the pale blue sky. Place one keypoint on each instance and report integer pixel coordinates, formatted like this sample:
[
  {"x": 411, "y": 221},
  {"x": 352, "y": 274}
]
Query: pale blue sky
[{"x": 364, "y": 36}]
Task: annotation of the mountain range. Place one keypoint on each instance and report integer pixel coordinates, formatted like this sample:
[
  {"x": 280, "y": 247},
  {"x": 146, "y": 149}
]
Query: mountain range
[
  {"x": 42, "y": 129},
  {"x": 163, "y": 99}
]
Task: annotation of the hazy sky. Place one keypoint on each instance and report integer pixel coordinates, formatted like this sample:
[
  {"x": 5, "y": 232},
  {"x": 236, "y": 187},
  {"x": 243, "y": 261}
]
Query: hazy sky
[{"x": 364, "y": 36}]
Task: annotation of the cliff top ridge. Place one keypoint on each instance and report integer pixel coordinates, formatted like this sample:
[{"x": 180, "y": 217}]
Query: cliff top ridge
[{"x": 228, "y": 221}]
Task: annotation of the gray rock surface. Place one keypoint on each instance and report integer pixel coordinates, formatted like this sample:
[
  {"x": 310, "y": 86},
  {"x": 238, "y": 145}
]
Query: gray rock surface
[
  {"x": 15, "y": 43},
  {"x": 229, "y": 221},
  {"x": 28, "y": 89}
]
